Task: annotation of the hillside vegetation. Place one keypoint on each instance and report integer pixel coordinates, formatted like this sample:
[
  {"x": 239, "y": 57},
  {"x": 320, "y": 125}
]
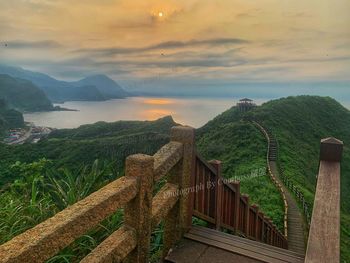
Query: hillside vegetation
[
  {"x": 23, "y": 95},
  {"x": 242, "y": 149},
  {"x": 9, "y": 118},
  {"x": 74, "y": 148},
  {"x": 299, "y": 123}
]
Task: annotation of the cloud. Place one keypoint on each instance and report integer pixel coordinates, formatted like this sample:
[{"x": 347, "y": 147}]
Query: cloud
[
  {"x": 23, "y": 44},
  {"x": 244, "y": 15},
  {"x": 165, "y": 46}
]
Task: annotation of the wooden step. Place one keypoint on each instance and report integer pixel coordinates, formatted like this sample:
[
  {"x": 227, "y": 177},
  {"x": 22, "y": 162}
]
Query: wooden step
[{"x": 207, "y": 245}]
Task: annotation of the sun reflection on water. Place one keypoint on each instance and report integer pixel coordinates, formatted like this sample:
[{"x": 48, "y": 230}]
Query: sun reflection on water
[{"x": 158, "y": 101}]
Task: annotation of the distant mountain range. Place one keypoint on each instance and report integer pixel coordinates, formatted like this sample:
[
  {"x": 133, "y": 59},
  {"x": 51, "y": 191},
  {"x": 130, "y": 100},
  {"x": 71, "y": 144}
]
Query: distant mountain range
[{"x": 92, "y": 88}]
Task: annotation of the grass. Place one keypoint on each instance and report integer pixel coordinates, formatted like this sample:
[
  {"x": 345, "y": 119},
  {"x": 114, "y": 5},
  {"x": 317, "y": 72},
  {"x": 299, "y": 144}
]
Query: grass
[{"x": 41, "y": 193}]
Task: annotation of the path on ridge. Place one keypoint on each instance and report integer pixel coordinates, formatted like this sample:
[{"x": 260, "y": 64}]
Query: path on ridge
[{"x": 296, "y": 240}]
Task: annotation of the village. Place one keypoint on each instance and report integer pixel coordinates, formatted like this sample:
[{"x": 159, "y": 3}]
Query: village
[{"x": 30, "y": 134}]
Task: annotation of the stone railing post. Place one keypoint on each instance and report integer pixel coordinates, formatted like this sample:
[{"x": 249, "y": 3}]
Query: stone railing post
[
  {"x": 324, "y": 235},
  {"x": 138, "y": 213},
  {"x": 179, "y": 218},
  {"x": 217, "y": 165}
]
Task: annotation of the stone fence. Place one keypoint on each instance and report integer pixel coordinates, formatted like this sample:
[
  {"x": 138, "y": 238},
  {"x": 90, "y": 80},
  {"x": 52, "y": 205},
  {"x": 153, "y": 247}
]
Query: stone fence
[{"x": 134, "y": 193}]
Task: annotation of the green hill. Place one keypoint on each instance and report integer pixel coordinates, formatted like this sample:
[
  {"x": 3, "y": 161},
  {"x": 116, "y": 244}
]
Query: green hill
[
  {"x": 242, "y": 149},
  {"x": 74, "y": 148},
  {"x": 9, "y": 118},
  {"x": 23, "y": 95},
  {"x": 298, "y": 124},
  {"x": 101, "y": 129}
]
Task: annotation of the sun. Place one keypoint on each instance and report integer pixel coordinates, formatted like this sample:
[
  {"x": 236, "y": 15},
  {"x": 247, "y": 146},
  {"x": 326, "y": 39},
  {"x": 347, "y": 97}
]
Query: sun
[{"x": 160, "y": 14}]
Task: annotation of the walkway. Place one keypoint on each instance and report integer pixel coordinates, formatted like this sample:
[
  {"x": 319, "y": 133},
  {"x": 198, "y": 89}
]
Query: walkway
[
  {"x": 296, "y": 238},
  {"x": 203, "y": 245}
]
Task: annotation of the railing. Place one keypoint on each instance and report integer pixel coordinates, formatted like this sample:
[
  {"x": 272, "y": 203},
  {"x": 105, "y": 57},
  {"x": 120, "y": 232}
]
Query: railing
[
  {"x": 193, "y": 187},
  {"x": 324, "y": 235},
  {"x": 299, "y": 196},
  {"x": 306, "y": 207},
  {"x": 220, "y": 203},
  {"x": 134, "y": 193},
  {"x": 274, "y": 179}
]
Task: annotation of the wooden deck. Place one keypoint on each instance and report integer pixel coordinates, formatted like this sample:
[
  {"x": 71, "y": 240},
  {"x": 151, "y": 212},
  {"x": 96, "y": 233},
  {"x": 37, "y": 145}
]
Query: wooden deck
[{"x": 203, "y": 245}]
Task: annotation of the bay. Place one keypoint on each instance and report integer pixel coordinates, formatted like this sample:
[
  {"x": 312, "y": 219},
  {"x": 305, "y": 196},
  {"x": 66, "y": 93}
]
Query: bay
[{"x": 194, "y": 112}]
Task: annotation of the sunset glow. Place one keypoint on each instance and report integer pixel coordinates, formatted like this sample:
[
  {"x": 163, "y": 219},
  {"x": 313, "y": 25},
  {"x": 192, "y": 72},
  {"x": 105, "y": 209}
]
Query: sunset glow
[
  {"x": 180, "y": 43},
  {"x": 158, "y": 101}
]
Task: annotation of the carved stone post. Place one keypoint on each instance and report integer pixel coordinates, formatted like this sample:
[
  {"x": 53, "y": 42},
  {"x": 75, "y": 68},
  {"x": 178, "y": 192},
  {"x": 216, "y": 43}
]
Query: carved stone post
[
  {"x": 138, "y": 213},
  {"x": 218, "y": 192},
  {"x": 179, "y": 220}
]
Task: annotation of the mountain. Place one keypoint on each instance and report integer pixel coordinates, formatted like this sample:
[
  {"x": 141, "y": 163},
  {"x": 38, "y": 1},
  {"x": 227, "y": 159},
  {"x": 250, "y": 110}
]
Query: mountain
[
  {"x": 298, "y": 123},
  {"x": 68, "y": 93},
  {"x": 108, "y": 142},
  {"x": 9, "y": 118},
  {"x": 104, "y": 84},
  {"x": 94, "y": 88},
  {"x": 23, "y": 95}
]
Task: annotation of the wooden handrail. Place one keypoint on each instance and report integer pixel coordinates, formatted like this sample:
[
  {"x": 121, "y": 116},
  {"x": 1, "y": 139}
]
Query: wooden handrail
[
  {"x": 221, "y": 204},
  {"x": 324, "y": 235}
]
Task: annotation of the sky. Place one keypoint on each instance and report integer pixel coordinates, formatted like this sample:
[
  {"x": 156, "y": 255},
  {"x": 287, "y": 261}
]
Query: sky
[{"x": 182, "y": 44}]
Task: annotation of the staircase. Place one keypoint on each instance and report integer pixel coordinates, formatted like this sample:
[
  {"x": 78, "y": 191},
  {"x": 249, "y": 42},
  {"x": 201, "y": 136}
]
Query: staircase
[
  {"x": 295, "y": 221},
  {"x": 272, "y": 148},
  {"x": 203, "y": 245},
  {"x": 296, "y": 236}
]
